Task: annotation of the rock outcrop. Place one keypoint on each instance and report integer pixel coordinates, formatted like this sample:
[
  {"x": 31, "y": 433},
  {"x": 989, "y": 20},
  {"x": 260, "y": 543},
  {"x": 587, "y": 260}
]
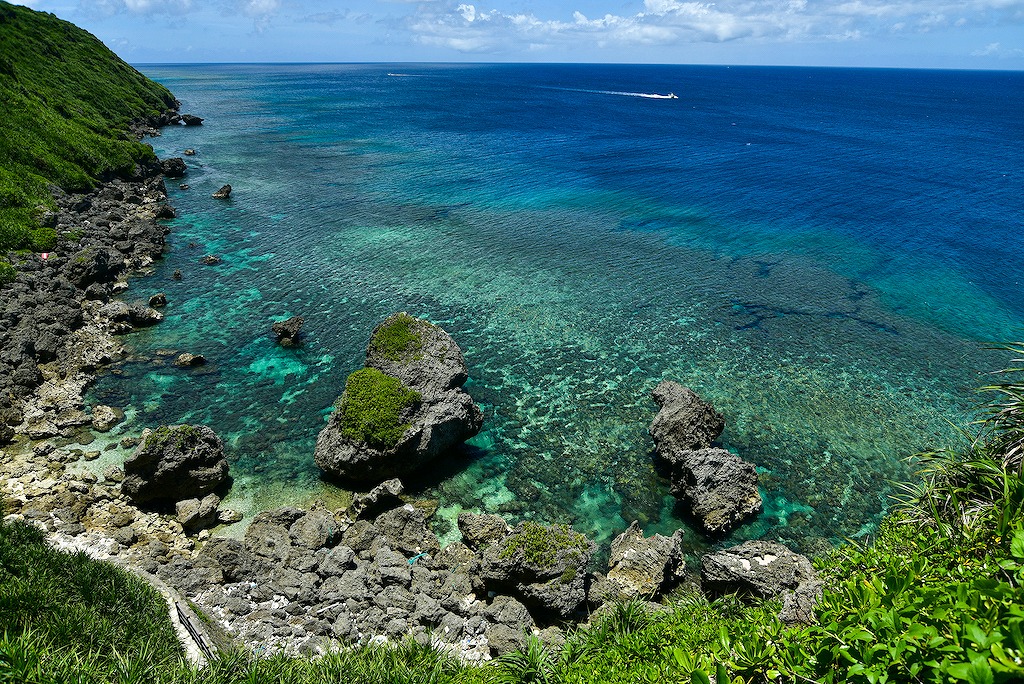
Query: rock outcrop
[
  {"x": 223, "y": 193},
  {"x": 641, "y": 567},
  {"x": 174, "y": 167},
  {"x": 542, "y": 566},
  {"x": 403, "y": 409},
  {"x": 766, "y": 570},
  {"x": 288, "y": 331},
  {"x": 175, "y": 463},
  {"x": 718, "y": 488}
]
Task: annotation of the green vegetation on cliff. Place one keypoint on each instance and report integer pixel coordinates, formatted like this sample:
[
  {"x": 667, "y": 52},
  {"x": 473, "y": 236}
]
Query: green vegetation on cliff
[
  {"x": 371, "y": 407},
  {"x": 65, "y": 105}
]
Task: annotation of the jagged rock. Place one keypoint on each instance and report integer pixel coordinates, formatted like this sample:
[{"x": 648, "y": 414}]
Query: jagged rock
[
  {"x": 383, "y": 497},
  {"x": 142, "y": 316},
  {"x": 173, "y": 463},
  {"x": 481, "y": 530},
  {"x": 314, "y": 530},
  {"x": 232, "y": 556},
  {"x": 158, "y": 300},
  {"x": 191, "y": 120},
  {"x": 210, "y": 260},
  {"x": 196, "y": 514},
  {"x": 766, "y": 570},
  {"x": 105, "y": 417},
  {"x": 405, "y": 530},
  {"x": 186, "y": 360},
  {"x": 228, "y": 516},
  {"x": 403, "y": 409},
  {"x": 174, "y": 167},
  {"x": 223, "y": 193},
  {"x": 94, "y": 265},
  {"x": 113, "y": 474},
  {"x": 542, "y": 566},
  {"x": 685, "y": 422},
  {"x": 190, "y": 152},
  {"x": 288, "y": 331},
  {"x": 643, "y": 567},
  {"x": 184, "y": 186},
  {"x": 176, "y": 275},
  {"x": 719, "y": 488}
]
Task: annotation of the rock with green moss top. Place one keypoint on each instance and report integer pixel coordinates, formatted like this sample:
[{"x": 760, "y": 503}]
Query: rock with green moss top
[
  {"x": 174, "y": 463},
  {"x": 405, "y": 408},
  {"x": 544, "y": 566},
  {"x": 419, "y": 353}
]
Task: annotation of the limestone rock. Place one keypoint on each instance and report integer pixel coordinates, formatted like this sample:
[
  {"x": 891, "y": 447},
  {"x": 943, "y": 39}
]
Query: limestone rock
[
  {"x": 385, "y": 496},
  {"x": 544, "y": 567},
  {"x": 767, "y": 570},
  {"x": 644, "y": 567},
  {"x": 719, "y": 488},
  {"x": 481, "y": 530},
  {"x": 187, "y": 360},
  {"x": 105, "y": 417},
  {"x": 432, "y": 414},
  {"x": 196, "y": 514},
  {"x": 223, "y": 193},
  {"x": 174, "y": 167},
  {"x": 158, "y": 300},
  {"x": 174, "y": 463},
  {"x": 191, "y": 120}
]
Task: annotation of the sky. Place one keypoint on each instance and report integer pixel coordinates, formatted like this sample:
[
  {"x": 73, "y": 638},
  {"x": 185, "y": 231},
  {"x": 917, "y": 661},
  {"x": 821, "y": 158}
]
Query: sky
[{"x": 969, "y": 34}]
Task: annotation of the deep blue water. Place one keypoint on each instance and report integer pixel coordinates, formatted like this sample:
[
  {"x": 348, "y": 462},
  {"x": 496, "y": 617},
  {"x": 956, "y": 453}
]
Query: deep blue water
[{"x": 820, "y": 252}]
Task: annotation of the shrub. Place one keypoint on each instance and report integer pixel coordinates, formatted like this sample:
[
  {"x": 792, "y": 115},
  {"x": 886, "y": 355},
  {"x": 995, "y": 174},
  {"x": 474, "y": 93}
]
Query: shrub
[
  {"x": 398, "y": 338},
  {"x": 372, "y": 407}
]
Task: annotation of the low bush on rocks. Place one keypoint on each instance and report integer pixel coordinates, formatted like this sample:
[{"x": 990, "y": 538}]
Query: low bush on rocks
[
  {"x": 398, "y": 339},
  {"x": 372, "y": 407}
]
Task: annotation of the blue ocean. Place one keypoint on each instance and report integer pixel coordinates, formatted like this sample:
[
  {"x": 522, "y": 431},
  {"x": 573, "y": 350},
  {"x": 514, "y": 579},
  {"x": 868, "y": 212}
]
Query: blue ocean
[{"x": 824, "y": 254}]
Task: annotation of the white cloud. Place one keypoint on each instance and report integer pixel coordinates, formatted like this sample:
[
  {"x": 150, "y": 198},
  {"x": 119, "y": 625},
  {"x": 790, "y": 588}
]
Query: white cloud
[
  {"x": 138, "y": 6},
  {"x": 473, "y": 28}
]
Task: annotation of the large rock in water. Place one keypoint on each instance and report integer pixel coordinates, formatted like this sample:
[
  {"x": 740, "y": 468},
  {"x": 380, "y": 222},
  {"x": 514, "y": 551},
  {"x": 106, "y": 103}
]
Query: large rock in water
[
  {"x": 403, "y": 409},
  {"x": 685, "y": 422},
  {"x": 717, "y": 487},
  {"x": 174, "y": 463}
]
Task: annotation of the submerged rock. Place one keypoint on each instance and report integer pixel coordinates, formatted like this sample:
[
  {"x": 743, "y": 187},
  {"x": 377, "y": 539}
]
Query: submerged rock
[
  {"x": 173, "y": 463},
  {"x": 403, "y": 409}
]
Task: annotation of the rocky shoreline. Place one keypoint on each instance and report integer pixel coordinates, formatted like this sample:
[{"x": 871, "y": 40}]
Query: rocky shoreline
[{"x": 300, "y": 580}]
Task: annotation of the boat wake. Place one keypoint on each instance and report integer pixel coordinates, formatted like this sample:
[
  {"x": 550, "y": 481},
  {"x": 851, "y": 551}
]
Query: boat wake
[{"x": 652, "y": 96}]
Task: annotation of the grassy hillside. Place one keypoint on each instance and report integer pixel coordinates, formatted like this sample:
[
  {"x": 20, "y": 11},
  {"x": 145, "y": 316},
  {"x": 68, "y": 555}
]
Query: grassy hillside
[{"x": 65, "y": 104}]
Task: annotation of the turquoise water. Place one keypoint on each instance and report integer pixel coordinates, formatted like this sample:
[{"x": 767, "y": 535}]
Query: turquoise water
[{"x": 820, "y": 253}]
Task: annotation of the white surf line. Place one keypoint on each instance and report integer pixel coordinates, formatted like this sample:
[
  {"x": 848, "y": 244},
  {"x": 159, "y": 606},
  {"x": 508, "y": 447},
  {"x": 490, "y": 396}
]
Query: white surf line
[{"x": 652, "y": 96}]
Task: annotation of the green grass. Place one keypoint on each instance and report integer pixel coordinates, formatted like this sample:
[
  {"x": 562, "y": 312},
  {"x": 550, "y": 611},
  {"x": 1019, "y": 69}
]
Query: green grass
[
  {"x": 61, "y": 613},
  {"x": 65, "y": 104},
  {"x": 372, "y": 405},
  {"x": 398, "y": 339},
  {"x": 541, "y": 545}
]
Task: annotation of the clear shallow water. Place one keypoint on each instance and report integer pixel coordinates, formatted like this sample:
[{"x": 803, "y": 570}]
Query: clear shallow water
[{"x": 821, "y": 253}]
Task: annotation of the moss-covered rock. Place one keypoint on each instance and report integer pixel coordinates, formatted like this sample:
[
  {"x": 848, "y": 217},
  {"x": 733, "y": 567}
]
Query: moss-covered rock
[
  {"x": 403, "y": 409},
  {"x": 374, "y": 406}
]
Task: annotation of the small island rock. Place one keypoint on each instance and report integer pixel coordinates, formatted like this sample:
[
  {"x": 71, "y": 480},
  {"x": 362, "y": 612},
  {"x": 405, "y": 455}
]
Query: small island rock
[
  {"x": 403, "y": 409},
  {"x": 173, "y": 463},
  {"x": 191, "y": 120},
  {"x": 174, "y": 167},
  {"x": 223, "y": 193},
  {"x": 288, "y": 331}
]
